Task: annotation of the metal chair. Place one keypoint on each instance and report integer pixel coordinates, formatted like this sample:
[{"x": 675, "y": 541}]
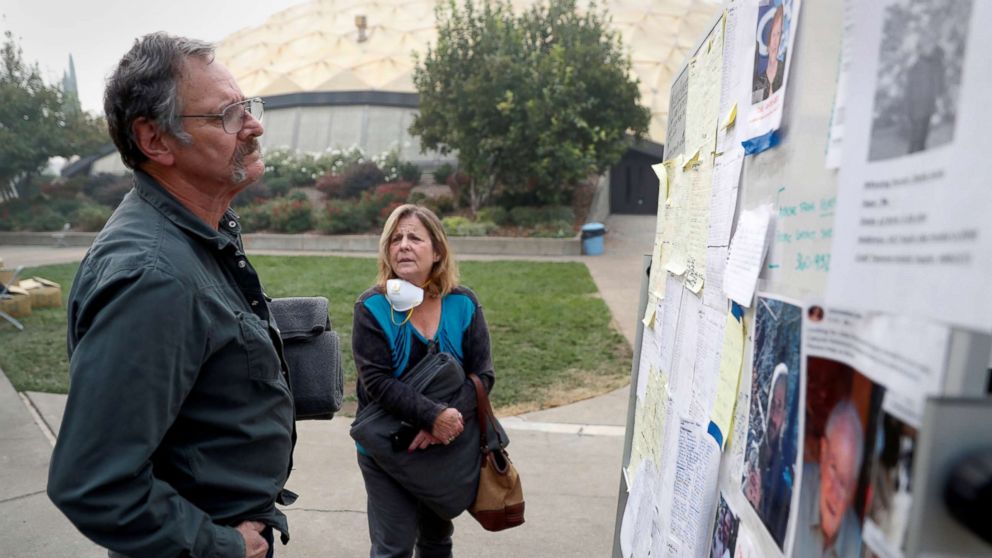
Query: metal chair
[{"x": 4, "y": 293}]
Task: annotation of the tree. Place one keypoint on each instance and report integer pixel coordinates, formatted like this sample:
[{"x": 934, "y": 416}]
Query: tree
[
  {"x": 34, "y": 122},
  {"x": 532, "y": 103}
]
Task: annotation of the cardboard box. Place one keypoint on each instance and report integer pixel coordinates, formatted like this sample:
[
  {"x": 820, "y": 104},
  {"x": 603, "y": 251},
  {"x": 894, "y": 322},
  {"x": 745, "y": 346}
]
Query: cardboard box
[
  {"x": 6, "y": 275},
  {"x": 44, "y": 293},
  {"x": 17, "y": 302}
]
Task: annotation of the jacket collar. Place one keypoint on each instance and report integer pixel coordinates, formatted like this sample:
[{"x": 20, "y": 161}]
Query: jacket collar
[{"x": 158, "y": 197}]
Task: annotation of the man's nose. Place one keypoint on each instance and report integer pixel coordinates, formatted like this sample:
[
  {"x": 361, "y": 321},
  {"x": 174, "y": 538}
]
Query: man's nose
[{"x": 251, "y": 128}]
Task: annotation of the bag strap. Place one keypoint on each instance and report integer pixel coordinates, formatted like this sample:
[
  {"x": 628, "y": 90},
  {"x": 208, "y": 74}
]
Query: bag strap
[{"x": 484, "y": 409}]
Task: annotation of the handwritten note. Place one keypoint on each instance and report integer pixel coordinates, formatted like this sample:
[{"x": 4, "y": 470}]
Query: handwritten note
[
  {"x": 723, "y": 197},
  {"x": 695, "y": 224},
  {"x": 731, "y": 359},
  {"x": 669, "y": 321},
  {"x": 639, "y": 509},
  {"x": 747, "y": 251},
  {"x": 703, "y": 103},
  {"x": 706, "y": 372},
  {"x": 716, "y": 264},
  {"x": 694, "y": 502},
  {"x": 686, "y": 346}
]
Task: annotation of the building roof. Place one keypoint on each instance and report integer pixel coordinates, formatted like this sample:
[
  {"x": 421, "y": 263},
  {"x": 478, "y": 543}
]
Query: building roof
[{"x": 315, "y": 46}]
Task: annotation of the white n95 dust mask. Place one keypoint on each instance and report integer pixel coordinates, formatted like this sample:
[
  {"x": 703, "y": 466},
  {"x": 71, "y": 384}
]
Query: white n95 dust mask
[{"x": 403, "y": 295}]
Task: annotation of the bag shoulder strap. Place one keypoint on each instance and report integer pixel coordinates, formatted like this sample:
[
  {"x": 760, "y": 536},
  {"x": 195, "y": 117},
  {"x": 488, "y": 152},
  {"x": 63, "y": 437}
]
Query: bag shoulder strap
[{"x": 484, "y": 409}]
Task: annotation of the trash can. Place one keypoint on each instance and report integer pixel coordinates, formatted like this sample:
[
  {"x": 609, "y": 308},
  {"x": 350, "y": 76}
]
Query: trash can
[{"x": 592, "y": 238}]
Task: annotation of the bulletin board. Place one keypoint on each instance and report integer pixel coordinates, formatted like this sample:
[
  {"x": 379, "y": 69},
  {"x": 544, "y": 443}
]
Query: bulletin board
[{"x": 816, "y": 276}]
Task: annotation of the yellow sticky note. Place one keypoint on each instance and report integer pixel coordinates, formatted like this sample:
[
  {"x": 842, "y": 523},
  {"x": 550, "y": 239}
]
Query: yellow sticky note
[
  {"x": 731, "y": 117},
  {"x": 691, "y": 161},
  {"x": 649, "y": 312},
  {"x": 731, "y": 359}
]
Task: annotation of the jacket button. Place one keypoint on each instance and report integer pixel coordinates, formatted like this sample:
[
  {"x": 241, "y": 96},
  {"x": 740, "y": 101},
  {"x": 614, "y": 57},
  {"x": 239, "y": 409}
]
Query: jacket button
[
  {"x": 242, "y": 264},
  {"x": 232, "y": 224},
  {"x": 254, "y": 303}
]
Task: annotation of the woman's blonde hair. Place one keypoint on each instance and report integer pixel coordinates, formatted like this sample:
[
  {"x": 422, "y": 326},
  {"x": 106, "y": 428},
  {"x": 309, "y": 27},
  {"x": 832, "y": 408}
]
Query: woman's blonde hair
[{"x": 444, "y": 273}]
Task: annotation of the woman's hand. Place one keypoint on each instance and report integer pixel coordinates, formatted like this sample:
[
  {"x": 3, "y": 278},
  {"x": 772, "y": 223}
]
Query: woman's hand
[
  {"x": 448, "y": 425},
  {"x": 422, "y": 440}
]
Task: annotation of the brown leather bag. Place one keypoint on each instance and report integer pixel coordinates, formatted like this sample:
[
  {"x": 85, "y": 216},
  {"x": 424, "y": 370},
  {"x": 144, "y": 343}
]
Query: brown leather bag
[{"x": 499, "y": 502}]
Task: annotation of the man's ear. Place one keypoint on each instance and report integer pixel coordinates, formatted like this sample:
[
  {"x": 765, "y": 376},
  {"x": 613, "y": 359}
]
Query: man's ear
[{"x": 152, "y": 141}]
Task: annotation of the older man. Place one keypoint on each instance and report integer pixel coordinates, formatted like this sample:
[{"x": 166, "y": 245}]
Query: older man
[
  {"x": 827, "y": 526},
  {"x": 178, "y": 432}
]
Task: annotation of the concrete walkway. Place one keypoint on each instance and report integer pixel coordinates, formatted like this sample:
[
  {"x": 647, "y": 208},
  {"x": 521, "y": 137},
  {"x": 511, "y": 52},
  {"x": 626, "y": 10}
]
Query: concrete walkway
[{"x": 568, "y": 457}]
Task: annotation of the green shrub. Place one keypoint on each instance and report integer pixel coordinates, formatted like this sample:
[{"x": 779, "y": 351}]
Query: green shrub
[
  {"x": 409, "y": 172},
  {"x": 361, "y": 177},
  {"x": 42, "y": 218},
  {"x": 461, "y": 226},
  {"x": 291, "y": 215},
  {"x": 496, "y": 214},
  {"x": 556, "y": 213},
  {"x": 442, "y": 173},
  {"x": 255, "y": 217},
  {"x": 297, "y": 195},
  {"x": 442, "y": 205},
  {"x": 343, "y": 216},
  {"x": 64, "y": 207},
  {"x": 278, "y": 186},
  {"x": 547, "y": 215},
  {"x": 91, "y": 217},
  {"x": 380, "y": 203},
  {"x": 525, "y": 216},
  {"x": 554, "y": 229}
]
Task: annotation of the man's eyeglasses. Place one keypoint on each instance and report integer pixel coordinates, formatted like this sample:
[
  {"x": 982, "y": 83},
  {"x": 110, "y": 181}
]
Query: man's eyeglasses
[{"x": 233, "y": 116}]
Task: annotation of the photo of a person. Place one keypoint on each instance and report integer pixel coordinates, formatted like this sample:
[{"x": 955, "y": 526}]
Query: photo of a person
[
  {"x": 815, "y": 313},
  {"x": 770, "y": 454},
  {"x": 840, "y": 402},
  {"x": 770, "y": 53},
  {"x": 890, "y": 489},
  {"x": 724, "y": 531},
  {"x": 920, "y": 63}
]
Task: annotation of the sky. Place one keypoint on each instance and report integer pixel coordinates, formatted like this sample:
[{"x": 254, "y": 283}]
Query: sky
[{"x": 98, "y": 32}]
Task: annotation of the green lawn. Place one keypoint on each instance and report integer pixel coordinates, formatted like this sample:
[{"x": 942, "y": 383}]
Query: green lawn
[{"x": 552, "y": 337}]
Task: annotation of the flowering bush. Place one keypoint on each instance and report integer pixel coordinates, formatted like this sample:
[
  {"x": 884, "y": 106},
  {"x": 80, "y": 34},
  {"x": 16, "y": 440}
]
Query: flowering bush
[
  {"x": 255, "y": 217},
  {"x": 293, "y": 214},
  {"x": 345, "y": 216}
]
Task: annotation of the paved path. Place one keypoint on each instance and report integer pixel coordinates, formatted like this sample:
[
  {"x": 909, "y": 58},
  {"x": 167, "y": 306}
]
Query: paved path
[{"x": 568, "y": 457}]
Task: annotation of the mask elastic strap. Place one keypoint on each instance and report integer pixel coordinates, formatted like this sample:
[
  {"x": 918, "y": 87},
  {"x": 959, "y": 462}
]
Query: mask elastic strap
[{"x": 392, "y": 319}]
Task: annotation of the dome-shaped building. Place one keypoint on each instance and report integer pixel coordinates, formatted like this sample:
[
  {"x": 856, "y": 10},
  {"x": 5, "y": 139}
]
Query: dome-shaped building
[{"x": 338, "y": 73}]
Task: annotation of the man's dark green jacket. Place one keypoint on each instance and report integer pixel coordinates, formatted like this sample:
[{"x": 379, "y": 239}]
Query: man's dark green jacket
[{"x": 179, "y": 423}]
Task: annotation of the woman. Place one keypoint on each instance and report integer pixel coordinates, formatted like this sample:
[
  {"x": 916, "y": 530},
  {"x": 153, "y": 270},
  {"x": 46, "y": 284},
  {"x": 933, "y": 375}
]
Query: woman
[
  {"x": 770, "y": 80},
  {"x": 394, "y": 329}
]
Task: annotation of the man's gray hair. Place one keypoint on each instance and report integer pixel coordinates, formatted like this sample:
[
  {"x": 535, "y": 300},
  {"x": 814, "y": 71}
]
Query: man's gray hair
[
  {"x": 146, "y": 85},
  {"x": 845, "y": 412}
]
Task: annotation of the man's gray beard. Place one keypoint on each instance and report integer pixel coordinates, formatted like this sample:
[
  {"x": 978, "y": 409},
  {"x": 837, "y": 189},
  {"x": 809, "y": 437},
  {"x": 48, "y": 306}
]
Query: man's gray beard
[{"x": 239, "y": 173}]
